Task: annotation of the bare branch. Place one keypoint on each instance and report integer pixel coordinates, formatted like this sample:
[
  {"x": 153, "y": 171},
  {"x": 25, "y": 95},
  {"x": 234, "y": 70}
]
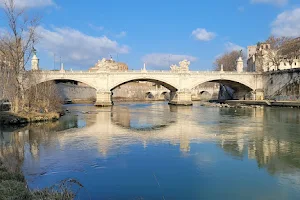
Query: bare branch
[
  {"x": 16, "y": 49},
  {"x": 283, "y": 49},
  {"x": 228, "y": 60}
]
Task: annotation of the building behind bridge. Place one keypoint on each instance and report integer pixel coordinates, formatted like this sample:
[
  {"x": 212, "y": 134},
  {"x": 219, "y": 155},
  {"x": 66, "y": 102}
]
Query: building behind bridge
[
  {"x": 259, "y": 58},
  {"x": 110, "y": 65}
]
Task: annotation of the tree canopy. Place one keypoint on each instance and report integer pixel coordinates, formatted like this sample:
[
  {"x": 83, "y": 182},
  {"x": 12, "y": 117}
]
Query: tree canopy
[{"x": 228, "y": 60}]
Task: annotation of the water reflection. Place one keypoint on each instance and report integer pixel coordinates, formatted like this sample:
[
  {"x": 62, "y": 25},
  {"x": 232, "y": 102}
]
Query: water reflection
[{"x": 90, "y": 136}]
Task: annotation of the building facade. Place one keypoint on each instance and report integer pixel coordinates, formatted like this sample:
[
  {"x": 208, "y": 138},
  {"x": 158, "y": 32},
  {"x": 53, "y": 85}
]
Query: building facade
[{"x": 260, "y": 56}]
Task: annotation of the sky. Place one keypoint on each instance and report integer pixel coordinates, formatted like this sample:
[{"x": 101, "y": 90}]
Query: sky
[{"x": 156, "y": 32}]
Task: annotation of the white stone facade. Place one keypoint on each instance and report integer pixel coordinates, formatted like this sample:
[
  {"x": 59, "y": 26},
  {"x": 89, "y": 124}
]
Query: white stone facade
[
  {"x": 284, "y": 65},
  {"x": 239, "y": 65},
  {"x": 35, "y": 63}
]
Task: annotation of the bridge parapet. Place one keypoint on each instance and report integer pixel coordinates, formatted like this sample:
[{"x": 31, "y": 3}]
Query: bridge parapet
[{"x": 147, "y": 72}]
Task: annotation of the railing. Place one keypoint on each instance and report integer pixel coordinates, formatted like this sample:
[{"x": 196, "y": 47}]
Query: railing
[{"x": 147, "y": 72}]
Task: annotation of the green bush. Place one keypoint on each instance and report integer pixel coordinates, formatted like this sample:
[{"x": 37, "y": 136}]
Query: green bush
[
  {"x": 11, "y": 176},
  {"x": 2, "y": 168},
  {"x": 13, "y": 190},
  {"x": 47, "y": 194},
  {"x": 13, "y": 187}
]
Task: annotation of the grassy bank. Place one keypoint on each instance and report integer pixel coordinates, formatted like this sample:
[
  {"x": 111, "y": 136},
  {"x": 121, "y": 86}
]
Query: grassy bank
[
  {"x": 14, "y": 187},
  {"x": 7, "y": 118}
]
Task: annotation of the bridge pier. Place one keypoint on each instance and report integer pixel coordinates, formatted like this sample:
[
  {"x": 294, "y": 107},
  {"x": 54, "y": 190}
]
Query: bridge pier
[
  {"x": 259, "y": 94},
  {"x": 181, "y": 98},
  {"x": 103, "y": 98}
]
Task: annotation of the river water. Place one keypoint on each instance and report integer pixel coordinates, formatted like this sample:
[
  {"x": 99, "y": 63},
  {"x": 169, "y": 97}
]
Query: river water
[{"x": 157, "y": 151}]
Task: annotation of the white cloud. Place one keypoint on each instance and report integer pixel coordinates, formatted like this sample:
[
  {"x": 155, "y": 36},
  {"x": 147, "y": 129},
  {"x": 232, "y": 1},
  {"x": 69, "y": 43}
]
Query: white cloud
[
  {"x": 96, "y": 28},
  {"x": 203, "y": 35},
  {"x": 101, "y": 28},
  {"x": 275, "y": 2},
  {"x": 76, "y": 47},
  {"x": 165, "y": 60},
  {"x": 229, "y": 46},
  {"x": 30, "y": 3},
  {"x": 287, "y": 24},
  {"x": 121, "y": 34}
]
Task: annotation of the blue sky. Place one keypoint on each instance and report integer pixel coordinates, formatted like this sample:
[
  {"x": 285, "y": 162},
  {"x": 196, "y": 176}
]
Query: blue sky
[{"x": 159, "y": 33}]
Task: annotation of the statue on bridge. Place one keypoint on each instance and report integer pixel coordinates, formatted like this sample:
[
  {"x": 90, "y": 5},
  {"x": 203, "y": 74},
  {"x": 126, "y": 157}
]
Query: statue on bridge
[
  {"x": 35, "y": 61},
  {"x": 109, "y": 65},
  {"x": 174, "y": 68},
  {"x": 183, "y": 66}
]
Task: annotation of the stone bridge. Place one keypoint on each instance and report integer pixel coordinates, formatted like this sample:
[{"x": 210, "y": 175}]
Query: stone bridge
[
  {"x": 180, "y": 83},
  {"x": 201, "y": 92}
]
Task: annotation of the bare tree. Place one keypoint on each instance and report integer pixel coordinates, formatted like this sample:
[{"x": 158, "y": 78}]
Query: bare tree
[
  {"x": 272, "y": 58},
  {"x": 291, "y": 49},
  {"x": 43, "y": 97},
  {"x": 277, "y": 42},
  {"x": 283, "y": 49},
  {"x": 16, "y": 45},
  {"x": 228, "y": 60}
]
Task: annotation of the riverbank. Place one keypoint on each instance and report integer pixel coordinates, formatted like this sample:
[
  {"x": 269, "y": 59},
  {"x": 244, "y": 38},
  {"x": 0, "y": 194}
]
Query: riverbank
[
  {"x": 263, "y": 103},
  {"x": 123, "y": 99},
  {"x": 9, "y": 118},
  {"x": 13, "y": 186},
  {"x": 214, "y": 104}
]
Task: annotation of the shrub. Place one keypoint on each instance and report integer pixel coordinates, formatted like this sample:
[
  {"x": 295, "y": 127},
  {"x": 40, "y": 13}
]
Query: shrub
[{"x": 13, "y": 190}]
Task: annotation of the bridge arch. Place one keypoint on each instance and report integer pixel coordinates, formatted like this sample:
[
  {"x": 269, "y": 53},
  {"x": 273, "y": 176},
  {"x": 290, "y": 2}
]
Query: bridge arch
[
  {"x": 77, "y": 92},
  {"x": 205, "y": 95},
  {"x": 163, "y": 94},
  {"x": 204, "y": 92},
  {"x": 164, "y": 83},
  {"x": 238, "y": 89},
  {"x": 234, "y": 84},
  {"x": 44, "y": 80},
  {"x": 149, "y": 95}
]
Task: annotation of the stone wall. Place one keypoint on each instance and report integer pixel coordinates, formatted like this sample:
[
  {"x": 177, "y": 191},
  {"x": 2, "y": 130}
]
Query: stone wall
[
  {"x": 139, "y": 91},
  {"x": 206, "y": 91},
  {"x": 282, "y": 85},
  {"x": 71, "y": 91}
]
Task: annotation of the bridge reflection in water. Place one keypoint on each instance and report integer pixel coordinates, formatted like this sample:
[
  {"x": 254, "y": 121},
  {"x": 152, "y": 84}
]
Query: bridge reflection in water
[{"x": 263, "y": 134}]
